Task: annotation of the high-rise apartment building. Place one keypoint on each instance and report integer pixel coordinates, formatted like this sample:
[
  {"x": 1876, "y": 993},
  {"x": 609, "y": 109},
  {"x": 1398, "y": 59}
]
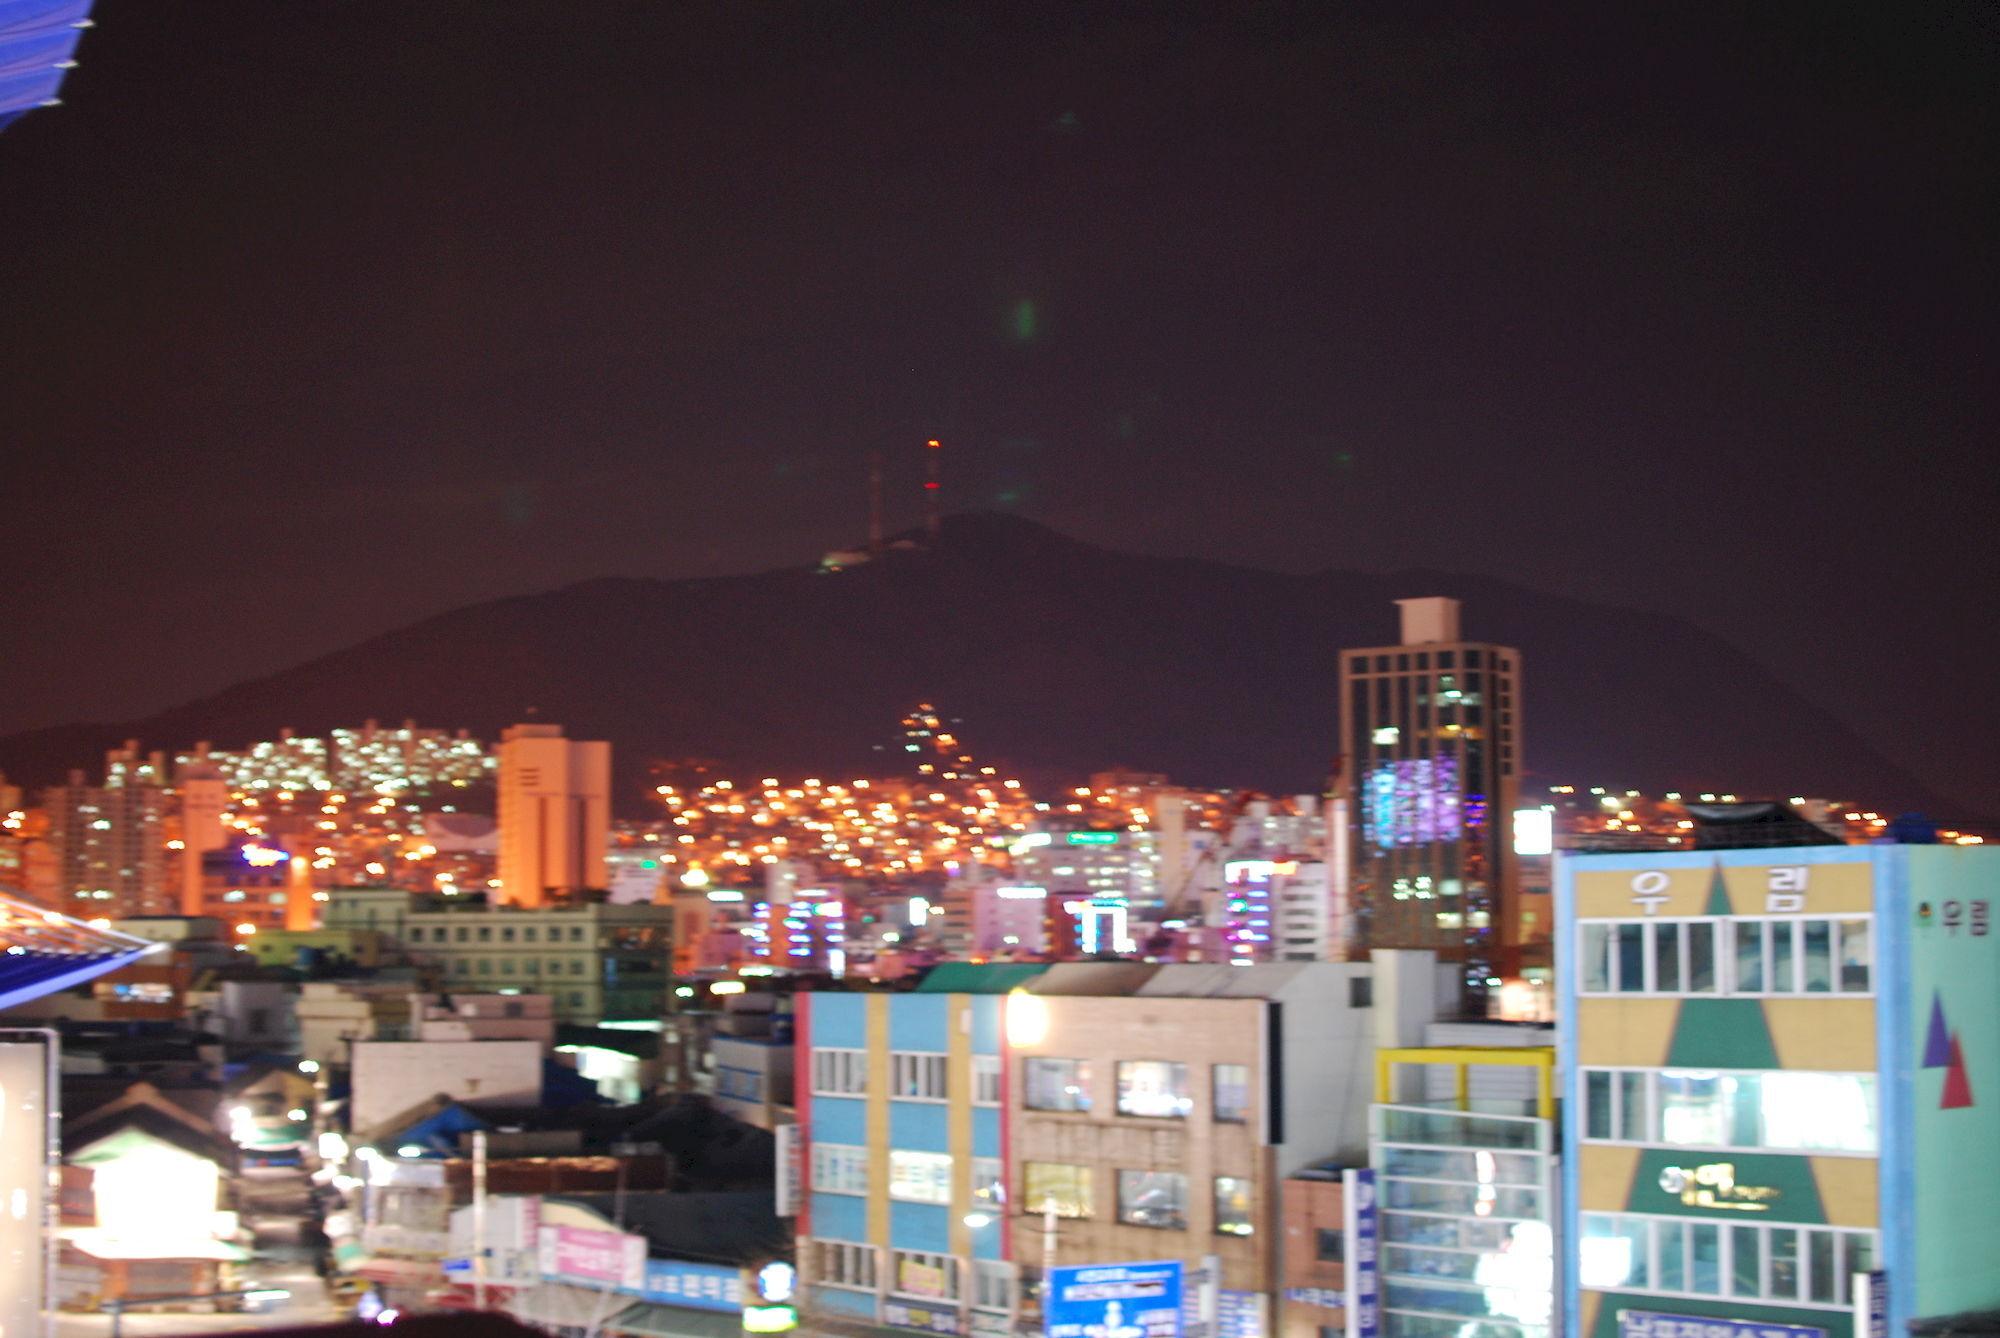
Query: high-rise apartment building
[
  {"x": 1431, "y": 758},
  {"x": 555, "y": 813},
  {"x": 109, "y": 841}
]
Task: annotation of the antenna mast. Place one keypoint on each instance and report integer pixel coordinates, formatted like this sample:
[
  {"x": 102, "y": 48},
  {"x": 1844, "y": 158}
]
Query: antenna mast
[
  {"x": 875, "y": 503},
  {"x": 932, "y": 517}
]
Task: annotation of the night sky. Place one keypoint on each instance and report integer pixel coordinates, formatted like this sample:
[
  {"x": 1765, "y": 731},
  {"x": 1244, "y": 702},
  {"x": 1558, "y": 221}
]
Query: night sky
[{"x": 323, "y": 317}]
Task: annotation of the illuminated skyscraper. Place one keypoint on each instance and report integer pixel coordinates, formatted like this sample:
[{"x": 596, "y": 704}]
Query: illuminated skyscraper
[
  {"x": 555, "y": 813},
  {"x": 110, "y": 840},
  {"x": 1430, "y": 746}
]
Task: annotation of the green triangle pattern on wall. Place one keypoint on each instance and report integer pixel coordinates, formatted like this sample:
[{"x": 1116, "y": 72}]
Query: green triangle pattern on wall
[
  {"x": 1718, "y": 895},
  {"x": 1722, "y": 1034}
]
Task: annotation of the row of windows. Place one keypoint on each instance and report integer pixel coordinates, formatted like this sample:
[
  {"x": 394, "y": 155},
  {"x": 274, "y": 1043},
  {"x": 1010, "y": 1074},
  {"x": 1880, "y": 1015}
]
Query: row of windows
[
  {"x": 484, "y": 933},
  {"x": 914, "y": 1075},
  {"x": 1785, "y": 1111},
  {"x": 1145, "y": 1198},
  {"x": 1694, "y": 1257},
  {"x": 914, "y": 1273},
  {"x": 914, "y": 1177},
  {"x": 466, "y": 966},
  {"x": 1734, "y": 956},
  {"x": 1153, "y": 1088}
]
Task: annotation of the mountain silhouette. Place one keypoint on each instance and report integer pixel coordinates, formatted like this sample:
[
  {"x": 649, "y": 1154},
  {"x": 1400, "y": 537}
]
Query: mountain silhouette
[{"x": 1058, "y": 657}]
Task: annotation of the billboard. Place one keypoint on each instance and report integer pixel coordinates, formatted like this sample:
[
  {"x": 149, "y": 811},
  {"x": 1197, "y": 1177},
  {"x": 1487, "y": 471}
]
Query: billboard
[
  {"x": 24, "y": 1183},
  {"x": 1116, "y": 1300}
]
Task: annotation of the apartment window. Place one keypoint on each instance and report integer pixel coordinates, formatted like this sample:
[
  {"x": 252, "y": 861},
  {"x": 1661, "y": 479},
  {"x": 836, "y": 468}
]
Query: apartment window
[
  {"x": 1232, "y": 1206},
  {"x": 989, "y": 1181},
  {"x": 530, "y": 934},
  {"x": 1153, "y": 1199},
  {"x": 486, "y": 933},
  {"x": 1360, "y": 991},
  {"x": 459, "y": 933},
  {"x": 576, "y": 933},
  {"x": 1741, "y": 956},
  {"x": 1330, "y": 1247},
  {"x": 555, "y": 966},
  {"x": 840, "y": 1072},
  {"x": 506, "y": 933},
  {"x": 992, "y": 1285},
  {"x": 1803, "y": 956},
  {"x": 1066, "y": 1187},
  {"x": 839, "y": 1169},
  {"x": 485, "y": 966},
  {"x": 576, "y": 966},
  {"x": 1649, "y": 957},
  {"x": 1056, "y": 1084},
  {"x": 837, "y": 1263},
  {"x": 1156, "y": 1088},
  {"x": 1780, "y": 1110},
  {"x": 929, "y": 1276},
  {"x": 917, "y": 1076},
  {"x": 1771, "y": 1262},
  {"x": 1232, "y": 1093},
  {"x": 920, "y": 1177},
  {"x": 506, "y": 966},
  {"x": 986, "y": 1080}
]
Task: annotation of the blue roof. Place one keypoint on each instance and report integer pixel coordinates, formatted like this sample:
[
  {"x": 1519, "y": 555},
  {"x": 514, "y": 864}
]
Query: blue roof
[
  {"x": 42, "y": 952},
  {"x": 37, "y": 40}
]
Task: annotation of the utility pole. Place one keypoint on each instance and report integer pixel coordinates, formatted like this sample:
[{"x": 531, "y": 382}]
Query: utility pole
[{"x": 479, "y": 1219}]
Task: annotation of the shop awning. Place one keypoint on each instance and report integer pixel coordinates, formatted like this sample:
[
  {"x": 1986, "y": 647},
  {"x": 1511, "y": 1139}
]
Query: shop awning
[{"x": 400, "y": 1272}]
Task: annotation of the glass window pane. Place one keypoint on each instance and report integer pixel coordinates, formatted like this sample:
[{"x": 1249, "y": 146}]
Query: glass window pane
[
  {"x": 1597, "y": 1104},
  {"x": 1784, "y": 1243},
  {"x": 1855, "y": 956},
  {"x": 1153, "y": 1087},
  {"x": 1749, "y": 957},
  {"x": 1700, "y": 958},
  {"x": 1694, "y": 1109},
  {"x": 1818, "y": 1112},
  {"x": 1632, "y": 1122},
  {"x": 1053, "y": 1183},
  {"x": 1671, "y": 1240},
  {"x": 1056, "y": 1084},
  {"x": 1704, "y": 1259},
  {"x": 1631, "y": 959},
  {"x": 1782, "y": 980},
  {"x": 1232, "y": 1093},
  {"x": 1746, "y": 1261},
  {"x": 1596, "y": 959},
  {"x": 1858, "y": 1247},
  {"x": 1822, "y": 1275},
  {"x": 1232, "y": 1206},
  {"x": 1152, "y": 1199},
  {"x": 1818, "y": 955},
  {"x": 1666, "y": 958}
]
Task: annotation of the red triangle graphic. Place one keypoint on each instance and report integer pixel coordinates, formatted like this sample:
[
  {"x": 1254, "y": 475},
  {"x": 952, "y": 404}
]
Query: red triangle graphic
[{"x": 1957, "y": 1087}]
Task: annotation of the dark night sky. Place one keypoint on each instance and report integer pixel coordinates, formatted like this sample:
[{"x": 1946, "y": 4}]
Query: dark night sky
[{"x": 324, "y": 317}]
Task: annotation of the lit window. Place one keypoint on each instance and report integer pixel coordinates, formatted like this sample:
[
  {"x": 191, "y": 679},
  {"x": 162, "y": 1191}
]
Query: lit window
[
  {"x": 1155, "y": 1088},
  {"x": 1066, "y": 1187},
  {"x": 1056, "y": 1084},
  {"x": 919, "y": 1177},
  {"x": 839, "y": 1169},
  {"x": 1153, "y": 1199},
  {"x": 917, "y": 1076},
  {"x": 1232, "y": 1206}
]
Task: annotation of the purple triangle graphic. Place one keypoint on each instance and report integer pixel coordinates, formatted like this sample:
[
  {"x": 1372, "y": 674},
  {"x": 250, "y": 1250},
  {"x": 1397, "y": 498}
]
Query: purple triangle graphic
[{"x": 1937, "y": 1045}]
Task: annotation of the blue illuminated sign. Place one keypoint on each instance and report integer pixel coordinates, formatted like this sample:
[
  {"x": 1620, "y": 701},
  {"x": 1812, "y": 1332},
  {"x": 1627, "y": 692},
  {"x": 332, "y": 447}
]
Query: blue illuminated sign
[
  {"x": 1116, "y": 1300},
  {"x": 696, "y": 1286}
]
